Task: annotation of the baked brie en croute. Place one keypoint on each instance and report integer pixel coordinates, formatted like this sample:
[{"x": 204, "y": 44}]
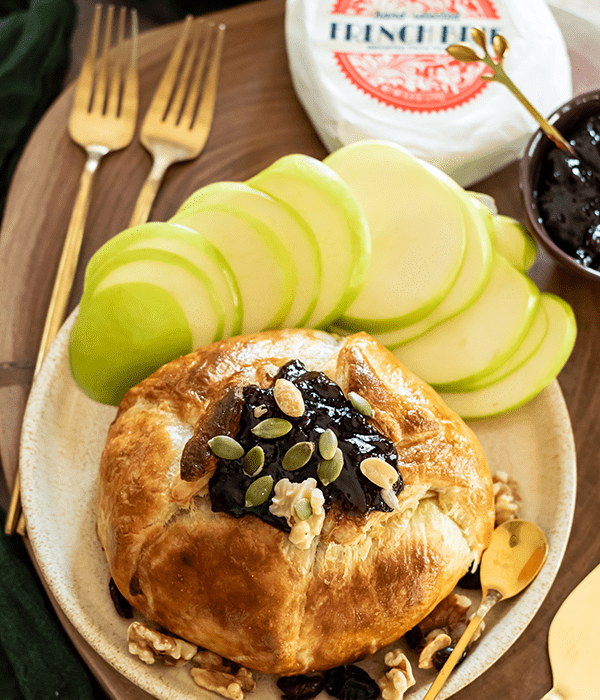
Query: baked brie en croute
[{"x": 291, "y": 500}]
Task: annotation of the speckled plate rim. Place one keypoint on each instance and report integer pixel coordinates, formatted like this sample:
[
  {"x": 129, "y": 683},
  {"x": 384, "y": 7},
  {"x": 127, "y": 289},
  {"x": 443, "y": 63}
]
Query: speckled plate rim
[{"x": 62, "y": 437}]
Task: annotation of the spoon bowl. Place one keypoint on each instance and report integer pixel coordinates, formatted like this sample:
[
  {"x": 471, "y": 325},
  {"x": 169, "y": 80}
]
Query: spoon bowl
[{"x": 514, "y": 558}]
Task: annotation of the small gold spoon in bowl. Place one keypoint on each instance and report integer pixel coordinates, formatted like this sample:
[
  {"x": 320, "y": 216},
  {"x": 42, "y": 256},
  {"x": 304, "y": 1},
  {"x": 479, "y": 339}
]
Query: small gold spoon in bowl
[
  {"x": 466, "y": 54},
  {"x": 514, "y": 558}
]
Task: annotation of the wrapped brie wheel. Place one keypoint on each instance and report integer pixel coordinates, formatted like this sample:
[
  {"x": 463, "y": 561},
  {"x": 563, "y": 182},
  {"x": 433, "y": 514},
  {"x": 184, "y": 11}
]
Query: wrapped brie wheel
[{"x": 290, "y": 500}]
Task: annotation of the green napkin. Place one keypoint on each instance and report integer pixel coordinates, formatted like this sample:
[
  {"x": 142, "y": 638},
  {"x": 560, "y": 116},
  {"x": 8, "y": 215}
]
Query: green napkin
[
  {"x": 34, "y": 57},
  {"x": 37, "y": 661}
]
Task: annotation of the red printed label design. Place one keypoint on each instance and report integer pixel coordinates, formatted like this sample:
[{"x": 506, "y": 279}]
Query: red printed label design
[{"x": 395, "y": 50}]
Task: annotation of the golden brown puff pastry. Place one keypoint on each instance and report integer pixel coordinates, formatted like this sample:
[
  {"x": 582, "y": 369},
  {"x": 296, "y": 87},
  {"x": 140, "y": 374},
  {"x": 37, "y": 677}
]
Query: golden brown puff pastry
[{"x": 239, "y": 585}]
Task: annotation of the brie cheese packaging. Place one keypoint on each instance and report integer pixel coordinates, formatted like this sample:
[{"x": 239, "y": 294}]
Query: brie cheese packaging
[{"x": 378, "y": 69}]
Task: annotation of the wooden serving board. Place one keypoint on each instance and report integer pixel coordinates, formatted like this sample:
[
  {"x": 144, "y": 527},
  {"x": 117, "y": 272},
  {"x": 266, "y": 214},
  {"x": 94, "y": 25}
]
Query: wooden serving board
[{"x": 258, "y": 119}]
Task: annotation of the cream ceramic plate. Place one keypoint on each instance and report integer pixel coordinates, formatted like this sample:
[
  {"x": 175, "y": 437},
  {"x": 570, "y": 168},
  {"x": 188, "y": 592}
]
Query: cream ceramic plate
[{"x": 63, "y": 435}]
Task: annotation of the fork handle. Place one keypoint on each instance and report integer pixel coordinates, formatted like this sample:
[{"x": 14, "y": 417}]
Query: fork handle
[
  {"x": 145, "y": 200},
  {"x": 61, "y": 291}
]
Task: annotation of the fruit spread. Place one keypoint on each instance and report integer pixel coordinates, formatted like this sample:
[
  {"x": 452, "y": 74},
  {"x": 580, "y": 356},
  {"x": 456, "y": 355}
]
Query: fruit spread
[
  {"x": 568, "y": 194},
  {"x": 326, "y": 410}
]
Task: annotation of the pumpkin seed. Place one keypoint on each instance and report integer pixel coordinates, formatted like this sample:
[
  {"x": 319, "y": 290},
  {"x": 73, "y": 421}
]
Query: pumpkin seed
[
  {"x": 328, "y": 443},
  {"x": 297, "y": 456},
  {"x": 271, "y": 428},
  {"x": 379, "y": 472},
  {"x": 258, "y": 491},
  {"x": 254, "y": 460},
  {"x": 360, "y": 404},
  {"x": 329, "y": 469},
  {"x": 226, "y": 447},
  {"x": 303, "y": 509}
]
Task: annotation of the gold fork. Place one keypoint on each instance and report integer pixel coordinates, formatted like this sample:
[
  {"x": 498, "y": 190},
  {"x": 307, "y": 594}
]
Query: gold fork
[
  {"x": 102, "y": 119},
  {"x": 179, "y": 118}
]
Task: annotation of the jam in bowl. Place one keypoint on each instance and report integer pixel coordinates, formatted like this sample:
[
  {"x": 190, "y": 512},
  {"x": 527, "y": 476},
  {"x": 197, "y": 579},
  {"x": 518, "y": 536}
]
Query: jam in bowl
[{"x": 561, "y": 192}]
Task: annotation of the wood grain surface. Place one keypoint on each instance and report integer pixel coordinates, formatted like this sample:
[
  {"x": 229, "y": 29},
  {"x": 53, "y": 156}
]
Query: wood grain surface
[{"x": 258, "y": 119}]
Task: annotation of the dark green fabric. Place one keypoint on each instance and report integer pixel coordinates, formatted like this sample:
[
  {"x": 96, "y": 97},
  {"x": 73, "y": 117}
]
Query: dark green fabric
[
  {"x": 34, "y": 58},
  {"x": 36, "y": 658}
]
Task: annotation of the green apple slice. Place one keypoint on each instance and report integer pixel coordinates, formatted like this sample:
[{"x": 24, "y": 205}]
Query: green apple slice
[
  {"x": 292, "y": 230},
  {"x": 122, "y": 335},
  {"x": 263, "y": 267},
  {"x": 417, "y": 232},
  {"x": 481, "y": 338},
  {"x": 512, "y": 240},
  {"x": 185, "y": 242},
  {"x": 532, "y": 376},
  {"x": 191, "y": 288},
  {"x": 474, "y": 273},
  {"x": 326, "y": 204},
  {"x": 530, "y": 344}
]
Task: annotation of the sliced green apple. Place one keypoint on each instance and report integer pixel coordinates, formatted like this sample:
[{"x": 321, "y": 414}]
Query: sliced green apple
[
  {"x": 122, "y": 335},
  {"x": 512, "y": 240},
  {"x": 191, "y": 288},
  {"x": 263, "y": 267},
  {"x": 473, "y": 276},
  {"x": 417, "y": 232},
  {"x": 481, "y": 338},
  {"x": 326, "y": 204},
  {"x": 531, "y": 377},
  {"x": 293, "y": 232},
  {"x": 530, "y": 344},
  {"x": 187, "y": 243}
]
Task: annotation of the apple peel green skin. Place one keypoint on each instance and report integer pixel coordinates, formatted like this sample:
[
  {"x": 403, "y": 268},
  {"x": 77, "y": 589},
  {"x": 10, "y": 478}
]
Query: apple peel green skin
[
  {"x": 264, "y": 269},
  {"x": 293, "y": 231},
  {"x": 417, "y": 248},
  {"x": 472, "y": 278},
  {"x": 514, "y": 242},
  {"x": 114, "y": 345},
  {"x": 328, "y": 207},
  {"x": 182, "y": 241},
  {"x": 481, "y": 338},
  {"x": 528, "y": 347},
  {"x": 532, "y": 377},
  {"x": 191, "y": 288}
]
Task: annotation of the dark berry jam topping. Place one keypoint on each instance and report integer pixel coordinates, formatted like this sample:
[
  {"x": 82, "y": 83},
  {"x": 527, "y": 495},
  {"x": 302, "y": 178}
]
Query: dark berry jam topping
[
  {"x": 568, "y": 194},
  {"x": 326, "y": 407}
]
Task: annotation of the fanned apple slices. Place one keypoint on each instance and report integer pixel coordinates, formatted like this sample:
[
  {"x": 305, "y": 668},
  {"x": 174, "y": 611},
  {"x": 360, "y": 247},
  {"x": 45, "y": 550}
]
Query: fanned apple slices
[
  {"x": 417, "y": 230},
  {"x": 292, "y": 231},
  {"x": 527, "y": 380},
  {"x": 177, "y": 240},
  {"x": 263, "y": 266},
  {"x": 473, "y": 276},
  {"x": 372, "y": 239},
  {"x": 329, "y": 208}
]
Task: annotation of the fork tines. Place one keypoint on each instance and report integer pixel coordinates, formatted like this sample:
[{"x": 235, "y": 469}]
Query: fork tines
[
  {"x": 97, "y": 71},
  {"x": 187, "y": 90}
]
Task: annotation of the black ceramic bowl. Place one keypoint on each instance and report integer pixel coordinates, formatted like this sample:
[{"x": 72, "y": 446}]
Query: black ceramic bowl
[{"x": 564, "y": 119}]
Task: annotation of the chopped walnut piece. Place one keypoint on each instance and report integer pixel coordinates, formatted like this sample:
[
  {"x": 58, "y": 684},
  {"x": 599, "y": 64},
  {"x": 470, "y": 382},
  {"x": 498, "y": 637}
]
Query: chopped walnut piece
[
  {"x": 225, "y": 684},
  {"x": 435, "y": 641},
  {"x": 398, "y": 679},
  {"x": 506, "y": 497},
  {"x": 148, "y": 644},
  {"x": 447, "y": 613}
]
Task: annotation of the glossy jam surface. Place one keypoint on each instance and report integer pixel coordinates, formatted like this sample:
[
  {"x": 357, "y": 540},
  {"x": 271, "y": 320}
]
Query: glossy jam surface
[
  {"x": 325, "y": 407},
  {"x": 568, "y": 194}
]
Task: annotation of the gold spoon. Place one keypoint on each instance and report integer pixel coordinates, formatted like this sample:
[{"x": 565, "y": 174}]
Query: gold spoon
[
  {"x": 463, "y": 52},
  {"x": 514, "y": 558}
]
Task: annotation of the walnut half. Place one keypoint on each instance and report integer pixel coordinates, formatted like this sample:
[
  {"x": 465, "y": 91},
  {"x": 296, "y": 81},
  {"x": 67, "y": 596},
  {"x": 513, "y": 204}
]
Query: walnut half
[
  {"x": 148, "y": 644},
  {"x": 398, "y": 679}
]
